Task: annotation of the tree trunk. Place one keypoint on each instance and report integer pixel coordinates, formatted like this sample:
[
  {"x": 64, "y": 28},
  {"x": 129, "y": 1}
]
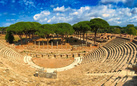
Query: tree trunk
[
  {"x": 80, "y": 35},
  {"x": 86, "y": 37},
  {"x": 47, "y": 42},
  {"x": 20, "y": 38},
  {"x": 83, "y": 37},
  {"x": 95, "y": 38},
  {"x": 32, "y": 35},
  {"x": 29, "y": 36},
  {"x": 62, "y": 38},
  {"x": 26, "y": 38}
]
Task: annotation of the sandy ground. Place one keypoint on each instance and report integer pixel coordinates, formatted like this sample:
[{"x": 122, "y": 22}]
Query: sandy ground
[{"x": 52, "y": 63}]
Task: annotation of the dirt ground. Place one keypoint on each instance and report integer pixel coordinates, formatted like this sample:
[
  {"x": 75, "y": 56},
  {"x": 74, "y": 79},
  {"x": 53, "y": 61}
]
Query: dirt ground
[{"x": 52, "y": 63}]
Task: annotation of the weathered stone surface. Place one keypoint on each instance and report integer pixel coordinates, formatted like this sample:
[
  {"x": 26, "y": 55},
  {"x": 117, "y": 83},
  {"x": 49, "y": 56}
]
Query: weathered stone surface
[{"x": 46, "y": 74}]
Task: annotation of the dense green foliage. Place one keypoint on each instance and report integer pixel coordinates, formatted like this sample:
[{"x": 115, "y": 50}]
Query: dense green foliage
[
  {"x": 45, "y": 30},
  {"x": 3, "y": 29},
  {"x": 116, "y": 31},
  {"x": 64, "y": 29},
  {"x": 31, "y": 28},
  {"x": 96, "y": 24},
  {"x": 111, "y": 29},
  {"x": 132, "y": 31},
  {"x": 9, "y": 37},
  {"x": 82, "y": 27},
  {"x": 130, "y": 25},
  {"x": 23, "y": 28}
]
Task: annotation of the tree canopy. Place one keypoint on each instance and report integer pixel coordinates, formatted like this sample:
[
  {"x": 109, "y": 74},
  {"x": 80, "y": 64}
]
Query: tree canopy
[
  {"x": 21, "y": 28},
  {"x": 130, "y": 25},
  {"x": 96, "y": 24},
  {"x": 64, "y": 28},
  {"x": 116, "y": 31},
  {"x": 82, "y": 27},
  {"x": 45, "y": 29},
  {"x": 132, "y": 31}
]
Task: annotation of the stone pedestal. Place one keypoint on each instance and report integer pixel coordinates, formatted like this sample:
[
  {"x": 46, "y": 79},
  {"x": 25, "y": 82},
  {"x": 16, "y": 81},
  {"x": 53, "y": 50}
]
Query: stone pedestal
[
  {"x": 38, "y": 55},
  {"x": 63, "y": 55},
  {"x": 57, "y": 56},
  {"x": 50, "y": 56},
  {"x": 69, "y": 55}
]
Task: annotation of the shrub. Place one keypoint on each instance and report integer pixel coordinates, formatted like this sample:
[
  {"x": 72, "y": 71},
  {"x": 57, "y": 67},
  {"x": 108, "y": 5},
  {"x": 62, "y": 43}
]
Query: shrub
[{"x": 9, "y": 37}]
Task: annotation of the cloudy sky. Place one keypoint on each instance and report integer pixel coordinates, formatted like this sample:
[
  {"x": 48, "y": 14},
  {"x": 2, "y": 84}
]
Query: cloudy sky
[{"x": 115, "y": 12}]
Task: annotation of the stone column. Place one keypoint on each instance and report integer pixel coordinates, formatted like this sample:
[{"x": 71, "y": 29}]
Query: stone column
[
  {"x": 66, "y": 45},
  {"x": 52, "y": 45},
  {"x": 39, "y": 44},
  {"x": 61, "y": 45},
  {"x": 47, "y": 44},
  {"x": 43, "y": 44},
  {"x": 57, "y": 44}
]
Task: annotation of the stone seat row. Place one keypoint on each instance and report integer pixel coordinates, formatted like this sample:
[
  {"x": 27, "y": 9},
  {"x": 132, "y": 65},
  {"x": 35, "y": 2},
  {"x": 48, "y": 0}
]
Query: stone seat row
[
  {"x": 118, "y": 55},
  {"x": 97, "y": 55},
  {"x": 116, "y": 81}
]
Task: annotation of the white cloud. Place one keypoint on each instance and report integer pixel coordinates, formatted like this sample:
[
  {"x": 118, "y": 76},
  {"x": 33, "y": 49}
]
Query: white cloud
[
  {"x": 134, "y": 10},
  {"x": 61, "y": 9},
  {"x": 114, "y": 16},
  {"x": 118, "y": 22},
  {"x": 41, "y": 16},
  {"x": 105, "y": 15},
  {"x": 7, "y": 24},
  {"x": 10, "y": 20},
  {"x": 115, "y": 1},
  {"x": 74, "y": 13},
  {"x": 49, "y": 21}
]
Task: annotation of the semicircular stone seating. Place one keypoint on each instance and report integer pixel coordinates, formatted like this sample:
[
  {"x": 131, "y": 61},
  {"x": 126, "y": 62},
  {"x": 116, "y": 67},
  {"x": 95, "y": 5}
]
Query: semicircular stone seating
[
  {"x": 10, "y": 54},
  {"x": 119, "y": 54},
  {"x": 12, "y": 59}
]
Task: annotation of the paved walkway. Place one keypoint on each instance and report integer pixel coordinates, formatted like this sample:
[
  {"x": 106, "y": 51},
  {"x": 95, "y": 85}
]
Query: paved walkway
[{"x": 77, "y": 60}]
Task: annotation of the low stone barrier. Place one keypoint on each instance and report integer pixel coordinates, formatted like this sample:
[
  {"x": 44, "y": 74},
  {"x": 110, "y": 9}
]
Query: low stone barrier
[
  {"x": 27, "y": 60},
  {"x": 63, "y": 56}
]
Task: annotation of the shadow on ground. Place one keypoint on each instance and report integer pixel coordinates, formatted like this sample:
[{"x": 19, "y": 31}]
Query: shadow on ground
[{"x": 132, "y": 82}]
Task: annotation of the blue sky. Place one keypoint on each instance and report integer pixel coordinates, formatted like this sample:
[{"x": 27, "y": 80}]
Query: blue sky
[{"x": 115, "y": 12}]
